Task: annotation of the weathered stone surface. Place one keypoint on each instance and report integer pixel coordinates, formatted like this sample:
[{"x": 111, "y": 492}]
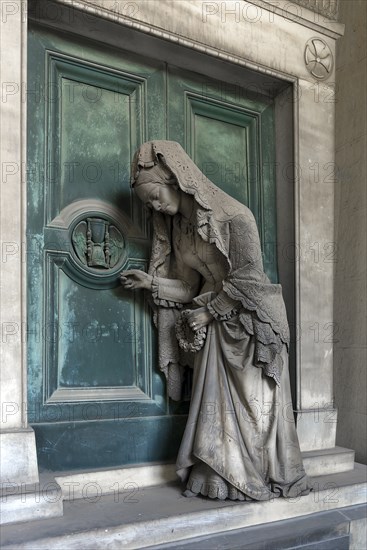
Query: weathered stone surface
[
  {"x": 23, "y": 503},
  {"x": 328, "y": 8},
  {"x": 162, "y": 516},
  {"x": 328, "y": 461},
  {"x": 18, "y": 460},
  {"x": 350, "y": 301}
]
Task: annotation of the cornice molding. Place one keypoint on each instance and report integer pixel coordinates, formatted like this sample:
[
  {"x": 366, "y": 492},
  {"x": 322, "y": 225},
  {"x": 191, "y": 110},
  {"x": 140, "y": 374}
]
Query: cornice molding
[
  {"x": 319, "y": 15},
  {"x": 95, "y": 10},
  {"x": 328, "y": 8}
]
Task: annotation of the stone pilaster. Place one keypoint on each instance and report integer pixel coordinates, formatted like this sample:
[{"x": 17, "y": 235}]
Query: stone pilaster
[{"x": 18, "y": 448}]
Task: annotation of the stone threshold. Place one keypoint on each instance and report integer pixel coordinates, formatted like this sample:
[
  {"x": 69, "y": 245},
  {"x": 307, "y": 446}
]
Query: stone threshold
[
  {"x": 141, "y": 517},
  {"x": 42, "y": 500},
  {"x": 316, "y": 463}
]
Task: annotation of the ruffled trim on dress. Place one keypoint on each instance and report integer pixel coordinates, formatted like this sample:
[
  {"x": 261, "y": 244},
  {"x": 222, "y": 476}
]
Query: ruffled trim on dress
[
  {"x": 268, "y": 345},
  {"x": 278, "y": 327},
  {"x": 205, "y": 481},
  {"x": 218, "y": 317}
]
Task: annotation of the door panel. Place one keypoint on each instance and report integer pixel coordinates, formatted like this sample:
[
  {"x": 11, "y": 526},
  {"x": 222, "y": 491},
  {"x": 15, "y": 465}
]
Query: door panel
[
  {"x": 91, "y": 349},
  {"x": 229, "y": 133},
  {"x": 96, "y": 396}
]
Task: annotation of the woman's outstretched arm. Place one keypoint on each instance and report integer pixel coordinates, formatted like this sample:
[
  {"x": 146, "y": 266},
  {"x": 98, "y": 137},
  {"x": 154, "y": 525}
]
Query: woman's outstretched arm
[{"x": 165, "y": 291}]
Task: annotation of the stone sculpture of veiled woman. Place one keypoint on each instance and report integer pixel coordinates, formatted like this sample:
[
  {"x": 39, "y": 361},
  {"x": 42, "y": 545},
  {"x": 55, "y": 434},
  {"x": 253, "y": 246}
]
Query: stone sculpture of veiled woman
[{"x": 240, "y": 440}]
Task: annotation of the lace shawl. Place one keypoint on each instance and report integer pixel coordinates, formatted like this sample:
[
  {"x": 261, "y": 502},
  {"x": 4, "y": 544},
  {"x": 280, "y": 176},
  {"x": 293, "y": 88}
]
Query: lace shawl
[{"x": 245, "y": 282}]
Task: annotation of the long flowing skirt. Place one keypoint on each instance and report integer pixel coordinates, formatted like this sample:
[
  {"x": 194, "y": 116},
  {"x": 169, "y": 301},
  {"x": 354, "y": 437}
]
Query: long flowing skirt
[{"x": 240, "y": 440}]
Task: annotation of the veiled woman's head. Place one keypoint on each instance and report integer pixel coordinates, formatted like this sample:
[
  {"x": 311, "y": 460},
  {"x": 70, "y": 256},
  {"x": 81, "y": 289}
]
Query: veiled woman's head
[{"x": 157, "y": 188}]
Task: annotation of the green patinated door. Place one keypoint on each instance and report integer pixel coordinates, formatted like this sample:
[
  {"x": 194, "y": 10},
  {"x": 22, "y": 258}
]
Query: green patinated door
[{"x": 96, "y": 397}]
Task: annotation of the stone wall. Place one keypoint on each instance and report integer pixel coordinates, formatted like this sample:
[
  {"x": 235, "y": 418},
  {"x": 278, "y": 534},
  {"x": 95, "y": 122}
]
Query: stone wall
[
  {"x": 328, "y": 8},
  {"x": 350, "y": 230}
]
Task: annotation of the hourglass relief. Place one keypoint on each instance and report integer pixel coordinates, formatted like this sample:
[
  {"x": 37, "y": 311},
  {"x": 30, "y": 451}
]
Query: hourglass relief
[
  {"x": 97, "y": 243},
  {"x": 93, "y": 240}
]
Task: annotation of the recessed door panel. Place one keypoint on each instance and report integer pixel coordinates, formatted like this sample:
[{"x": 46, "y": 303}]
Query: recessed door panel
[{"x": 229, "y": 133}]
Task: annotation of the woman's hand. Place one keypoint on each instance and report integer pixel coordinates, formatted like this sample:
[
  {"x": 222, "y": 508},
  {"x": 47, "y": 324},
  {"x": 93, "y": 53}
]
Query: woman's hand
[
  {"x": 199, "y": 318},
  {"x": 135, "y": 278}
]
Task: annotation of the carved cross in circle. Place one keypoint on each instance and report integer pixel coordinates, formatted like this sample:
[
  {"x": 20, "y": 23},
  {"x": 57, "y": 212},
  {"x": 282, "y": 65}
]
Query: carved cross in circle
[{"x": 318, "y": 58}]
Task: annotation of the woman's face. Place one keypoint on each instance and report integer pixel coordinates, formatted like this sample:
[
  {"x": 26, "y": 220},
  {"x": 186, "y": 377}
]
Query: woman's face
[{"x": 162, "y": 198}]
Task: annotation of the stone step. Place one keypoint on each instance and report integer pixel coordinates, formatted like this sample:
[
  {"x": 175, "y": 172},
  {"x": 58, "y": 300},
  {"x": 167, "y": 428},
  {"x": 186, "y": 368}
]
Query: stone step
[
  {"x": 328, "y": 461},
  {"x": 161, "y": 515},
  {"x": 73, "y": 484},
  {"x": 21, "y": 502},
  {"x": 325, "y": 530},
  {"x": 42, "y": 500}
]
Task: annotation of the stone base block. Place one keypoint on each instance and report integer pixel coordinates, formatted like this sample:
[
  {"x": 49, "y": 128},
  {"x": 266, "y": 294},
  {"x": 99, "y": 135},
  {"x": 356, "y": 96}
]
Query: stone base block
[
  {"x": 316, "y": 428},
  {"x": 18, "y": 459},
  {"x": 31, "y": 502},
  {"x": 328, "y": 461}
]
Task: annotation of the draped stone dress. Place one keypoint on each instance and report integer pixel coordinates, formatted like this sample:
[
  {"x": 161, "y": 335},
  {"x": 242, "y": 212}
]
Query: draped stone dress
[{"x": 240, "y": 440}]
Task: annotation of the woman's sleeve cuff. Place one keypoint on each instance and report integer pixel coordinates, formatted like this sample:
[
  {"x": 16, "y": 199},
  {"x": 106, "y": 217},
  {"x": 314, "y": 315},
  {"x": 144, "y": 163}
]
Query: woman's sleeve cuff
[
  {"x": 160, "y": 301},
  {"x": 221, "y": 317},
  {"x": 223, "y": 307}
]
